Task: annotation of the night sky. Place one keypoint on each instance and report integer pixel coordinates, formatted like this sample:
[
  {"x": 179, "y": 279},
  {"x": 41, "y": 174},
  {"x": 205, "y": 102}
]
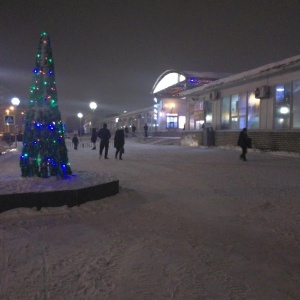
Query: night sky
[{"x": 112, "y": 52}]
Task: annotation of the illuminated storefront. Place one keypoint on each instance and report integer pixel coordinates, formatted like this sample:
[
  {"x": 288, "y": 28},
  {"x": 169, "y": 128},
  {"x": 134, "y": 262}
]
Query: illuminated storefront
[
  {"x": 170, "y": 109},
  {"x": 266, "y": 100}
]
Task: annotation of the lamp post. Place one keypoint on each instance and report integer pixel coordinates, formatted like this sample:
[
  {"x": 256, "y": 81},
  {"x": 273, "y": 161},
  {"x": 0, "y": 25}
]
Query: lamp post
[
  {"x": 93, "y": 106},
  {"x": 15, "y": 102},
  {"x": 80, "y": 115},
  {"x": 7, "y": 113}
]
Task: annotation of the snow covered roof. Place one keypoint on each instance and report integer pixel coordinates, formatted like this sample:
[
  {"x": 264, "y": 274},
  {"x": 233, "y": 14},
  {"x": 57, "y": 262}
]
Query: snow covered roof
[{"x": 266, "y": 70}]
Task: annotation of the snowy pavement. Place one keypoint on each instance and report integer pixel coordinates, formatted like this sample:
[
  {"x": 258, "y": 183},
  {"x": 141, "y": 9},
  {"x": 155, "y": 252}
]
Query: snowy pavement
[{"x": 188, "y": 223}]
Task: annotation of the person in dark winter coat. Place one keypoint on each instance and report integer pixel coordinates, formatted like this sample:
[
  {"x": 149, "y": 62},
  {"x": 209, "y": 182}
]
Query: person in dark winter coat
[
  {"x": 119, "y": 142},
  {"x": 104, "y": 135},
  {"x": 146, "y": 130},
  {"x": 75, "y": 141},
  {"x": 133, "y": 128},
  {"x": 243, "y": 143},
  {"x": 20, "y": 137},
  {"x": 126, "y": 131},
  {"x": 94, "y": 138}
]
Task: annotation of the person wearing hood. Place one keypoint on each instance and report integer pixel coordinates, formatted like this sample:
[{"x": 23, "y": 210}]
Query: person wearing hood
[
  {"x": 119, "y": 142},
  {"x": 104, "y": 135},
  {"x": 243, "y": 143}
]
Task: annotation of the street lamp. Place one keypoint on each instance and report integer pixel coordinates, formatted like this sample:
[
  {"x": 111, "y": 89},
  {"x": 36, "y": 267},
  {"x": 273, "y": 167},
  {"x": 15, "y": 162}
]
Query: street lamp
[
  {"x": 7, "y": 113},
  {"x": 80, "y": 115},
  {"x": 93, "y": 106},
  {"x": 15, "y": 102}
]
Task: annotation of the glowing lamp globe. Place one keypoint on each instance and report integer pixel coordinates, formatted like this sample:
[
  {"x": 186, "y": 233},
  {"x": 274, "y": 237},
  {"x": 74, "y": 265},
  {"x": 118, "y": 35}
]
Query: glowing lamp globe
[
  {"x": 93, "y": 105},
  {"x": 15, "y": 101}
]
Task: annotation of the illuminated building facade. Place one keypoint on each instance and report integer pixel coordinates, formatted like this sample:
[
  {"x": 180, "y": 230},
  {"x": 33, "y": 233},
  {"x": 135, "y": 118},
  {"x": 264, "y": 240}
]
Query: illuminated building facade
[
  {"x": 266, "y": 100},
  {"x": 170, "y": 109}
]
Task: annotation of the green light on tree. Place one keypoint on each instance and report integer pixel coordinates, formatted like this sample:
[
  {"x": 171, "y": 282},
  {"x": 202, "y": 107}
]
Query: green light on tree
[{"x": 44, "y": 152}]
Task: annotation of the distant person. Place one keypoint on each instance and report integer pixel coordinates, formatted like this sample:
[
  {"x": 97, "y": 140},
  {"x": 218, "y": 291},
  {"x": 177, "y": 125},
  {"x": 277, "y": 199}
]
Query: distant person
[
  {"x": 133, "y": 128},
  {"x": 126, "y": 131},
  {"x": 75, "y": 141},
  {"x": 104, "y": 135},
  {"x": 243, "y": 143},
  {"x": 94, "y": 138},
  {"x": 20, "y": 137},
  {"x": 119, "y": 142},
  {"x": 146, "y": 130}
]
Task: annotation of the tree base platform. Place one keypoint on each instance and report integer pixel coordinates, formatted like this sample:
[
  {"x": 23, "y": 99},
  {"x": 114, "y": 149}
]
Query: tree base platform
[{"x": 38, "y": 192}]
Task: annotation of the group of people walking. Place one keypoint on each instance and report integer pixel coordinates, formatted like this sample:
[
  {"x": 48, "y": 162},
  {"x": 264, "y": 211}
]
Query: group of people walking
[
  {"x": 133, "y": 129},
  {"x": 105, "y": 135},
  {"x": 119, "y": 141},
  {"x": 244, "y": 141}
]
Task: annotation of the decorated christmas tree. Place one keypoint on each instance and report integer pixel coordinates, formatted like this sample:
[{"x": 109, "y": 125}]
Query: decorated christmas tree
[{"x": 44, "y": 152}]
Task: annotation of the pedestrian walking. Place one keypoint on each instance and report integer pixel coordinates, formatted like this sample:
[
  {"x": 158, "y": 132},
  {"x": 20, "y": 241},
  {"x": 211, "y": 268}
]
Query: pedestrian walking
[
  {"x": 133, "y": 128},
  {"x": 104, "y": 135},
  {"x": 119, "y": 142},
  {"x": 146, "y": 130},
  {"x": 126, "y": 131},
  {"x": 244, "y": 142},
  {"x": 75, "y": 141},
  {"x": 94, "y": 138},
  {"x": 20, "y": 137}
]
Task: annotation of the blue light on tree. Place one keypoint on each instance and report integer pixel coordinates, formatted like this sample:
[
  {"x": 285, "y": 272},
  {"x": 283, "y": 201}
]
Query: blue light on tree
[{"x": 44, "y": 152}]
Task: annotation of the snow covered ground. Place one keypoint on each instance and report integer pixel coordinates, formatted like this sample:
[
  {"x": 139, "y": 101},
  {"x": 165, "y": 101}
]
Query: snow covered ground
[{"x": 188, "y": 223}]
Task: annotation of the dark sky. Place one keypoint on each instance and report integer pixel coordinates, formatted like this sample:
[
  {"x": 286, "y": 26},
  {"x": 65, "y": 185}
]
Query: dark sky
[{"x": 112, "y": 52}]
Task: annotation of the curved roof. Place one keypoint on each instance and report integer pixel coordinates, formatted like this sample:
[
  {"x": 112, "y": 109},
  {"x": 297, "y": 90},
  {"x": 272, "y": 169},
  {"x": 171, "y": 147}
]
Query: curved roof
[{"x": 172, "y": 82}]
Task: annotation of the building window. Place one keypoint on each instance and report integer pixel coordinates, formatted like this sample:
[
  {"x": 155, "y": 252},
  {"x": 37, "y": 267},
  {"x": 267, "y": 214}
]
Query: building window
[
  {"x": 182, "y": 121},
  {"x": 253, "y": 111},
  {"x": 148, "y": 118},
  {"x": 172, "y": 121},
  {"x": 235, "y": 112},
  {"x": 199, "y": 112},
  {"x": 208, "y": 111},
  {"x": 282, "y": 106},
  {"x": 296, "y": 104},
  {"x": 242, "y": 110},
  {"x": 191, "y": 116},
  {"x": 225, "y": 113}
]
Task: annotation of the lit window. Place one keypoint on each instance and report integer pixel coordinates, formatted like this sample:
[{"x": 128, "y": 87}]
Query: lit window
[{"x": 282, "y": 106}]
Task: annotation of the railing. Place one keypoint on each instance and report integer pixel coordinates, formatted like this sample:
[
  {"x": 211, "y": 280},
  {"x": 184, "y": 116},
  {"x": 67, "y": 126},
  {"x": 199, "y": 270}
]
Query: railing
[{"x": 85, "y": 144}]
